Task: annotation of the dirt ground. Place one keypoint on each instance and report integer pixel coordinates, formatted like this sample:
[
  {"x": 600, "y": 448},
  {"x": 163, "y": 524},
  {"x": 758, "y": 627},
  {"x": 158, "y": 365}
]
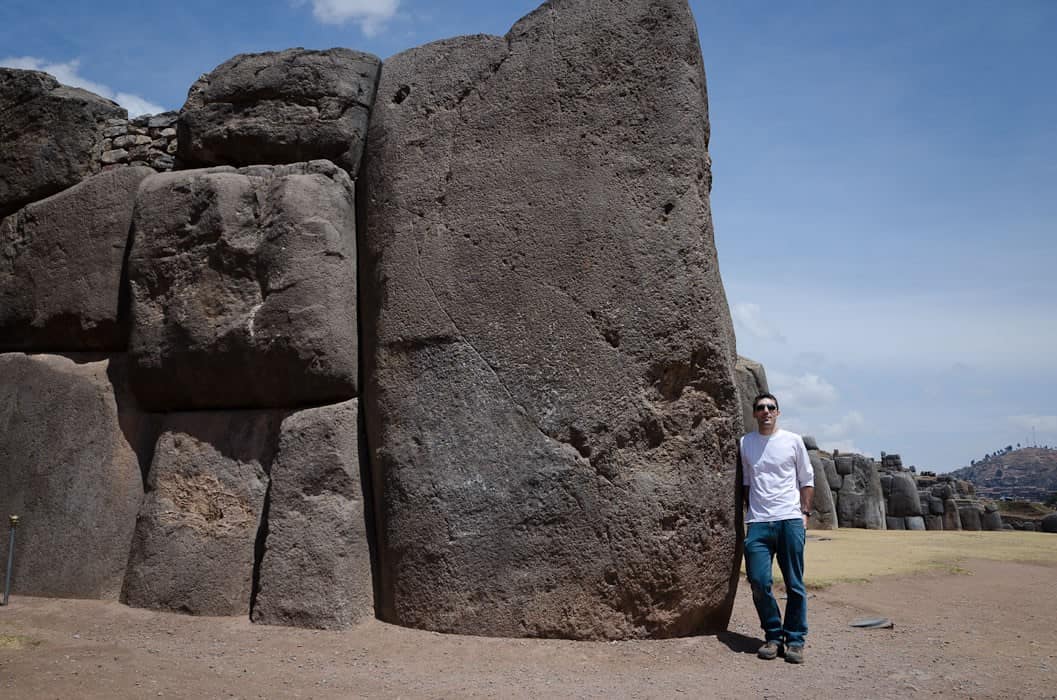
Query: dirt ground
[{"x": 984, "y": 633}]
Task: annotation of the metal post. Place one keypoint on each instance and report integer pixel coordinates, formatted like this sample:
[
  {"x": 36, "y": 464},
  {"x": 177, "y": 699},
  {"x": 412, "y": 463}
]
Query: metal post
[{"x": 10, "y": 557}]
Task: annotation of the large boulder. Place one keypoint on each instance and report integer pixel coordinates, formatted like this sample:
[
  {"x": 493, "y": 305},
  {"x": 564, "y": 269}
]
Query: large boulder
[
  {"x": 971, "y": 516},
  {"x": 833, "y": 479},
  {"x": 824, "y": 515},
  {"x": 751, "y": 380},
  {"x": 316, "y": 566},
  {"x": 280, "y": 107},
  {"x": 62, "y": 263},
  {"x": 845, "y": 464},
  {"x": 71, "y": 441},
  {"x": 952, "y": 518},
  {"x": 1048, "y": 523},
  {"x": 52, "y": 136},
  {"x": 903, "y": 499},
  {"x": 991, "y": 520},
  {"x": 550, "y": 402},
  {"x": 915, "y": 522},
  {"x": 244, "y": 288},
  {"x": 861, "y": 501},
  {"x": 196, "y": 534}
]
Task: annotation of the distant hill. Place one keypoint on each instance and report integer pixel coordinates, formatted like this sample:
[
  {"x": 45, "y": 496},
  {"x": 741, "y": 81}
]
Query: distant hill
[{"x": 1028, "y": 473}]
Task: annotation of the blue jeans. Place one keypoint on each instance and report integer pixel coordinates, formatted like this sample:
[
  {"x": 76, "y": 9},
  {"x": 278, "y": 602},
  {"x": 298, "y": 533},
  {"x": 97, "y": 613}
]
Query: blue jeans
[{"x": 763, "y": 542}]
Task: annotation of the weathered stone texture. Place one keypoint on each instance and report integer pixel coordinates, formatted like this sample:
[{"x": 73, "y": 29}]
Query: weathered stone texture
[
  {"x": 193, "y": 549},
  {"x": 970, "y": 517},
  {"x": 551, "y": 408},
  {"x": 861, "y": 500},
  {"x": 751, "y": 380},
  {"x": 1049, "y": 523},
  {"x": 894, "y": 523},
  {"x": 69, "y": 435},
  {"x": 244, "y": 288},
  {"x": 991, "y": 520},
  {"x": 51, "y": 135},
  {"x": 952, "y": 518},
  {"x": 902, "y": 499},
  {"x": 280, "y": 107},
  {"x": 914, "y": 522},
  {"x": 824, "y": 515},
  {"x": 316, "y": 567},
  {"x": 61, "y": 267}
]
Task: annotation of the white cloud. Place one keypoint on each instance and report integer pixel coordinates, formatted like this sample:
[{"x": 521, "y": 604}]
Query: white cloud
[
  {"x": 844, "y": 427},
  {"x": 370, "y": 14},
  {"x": 1043, "y": 424},
  {"x": 803, "y": 391},
  {"x": 66, "y": 73},
  {"x": 749, "y": 317}
]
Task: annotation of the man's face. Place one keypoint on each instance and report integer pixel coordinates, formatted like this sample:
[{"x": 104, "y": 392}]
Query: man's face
[{"x": 766, "y": 413}]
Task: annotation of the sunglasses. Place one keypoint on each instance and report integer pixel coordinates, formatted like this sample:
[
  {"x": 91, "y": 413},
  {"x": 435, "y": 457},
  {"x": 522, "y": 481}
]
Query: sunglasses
[{"x": 765, "y": 407}]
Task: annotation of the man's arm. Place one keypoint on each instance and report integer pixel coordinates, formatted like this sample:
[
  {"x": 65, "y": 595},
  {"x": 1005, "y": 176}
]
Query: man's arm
[{"x": 807, "y": 496}]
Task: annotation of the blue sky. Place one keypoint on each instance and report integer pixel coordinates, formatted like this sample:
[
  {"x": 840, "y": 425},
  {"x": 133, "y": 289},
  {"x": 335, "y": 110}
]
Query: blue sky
[{"x": 885, "y": 183}]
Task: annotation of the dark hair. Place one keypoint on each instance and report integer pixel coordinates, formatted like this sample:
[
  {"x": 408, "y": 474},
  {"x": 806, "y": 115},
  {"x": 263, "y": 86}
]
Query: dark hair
[{"x": 763, "y": 396}]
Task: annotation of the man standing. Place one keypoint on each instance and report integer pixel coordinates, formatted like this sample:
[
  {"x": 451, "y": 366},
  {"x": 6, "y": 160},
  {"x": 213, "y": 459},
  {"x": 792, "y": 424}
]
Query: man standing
[{"x": 778, "y": 486}]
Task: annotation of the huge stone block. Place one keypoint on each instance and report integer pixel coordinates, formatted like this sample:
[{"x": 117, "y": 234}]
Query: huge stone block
[
  {"x": 952, "y": 518},
  {"x": 280, "y": 107},
  {"x": 195, "y": 539},
  {"x": 824, "y": 515},
  {"x": 62, "y": 264},
  {"x": 1048, "y": 523},
  {"x": 316, "y": 567},
  {"x": 991, "y": 520},
  {"x": 751, "y": 380},
  {"x": 970, "y": 517},
  {"x": 244, "y": 288},
  {"x": 903, "y": 499},
  {"x": 52, "y": 136},
  {"x": 71, "y": 440},
  {"x": 861, "y": 502},
  {"x": 550, "y": 406},
  {"x": 833, "y": 479}
]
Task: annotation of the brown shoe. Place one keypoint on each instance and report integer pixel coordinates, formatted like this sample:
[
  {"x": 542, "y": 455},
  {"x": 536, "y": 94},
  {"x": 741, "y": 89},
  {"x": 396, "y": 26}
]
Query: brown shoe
[
  {"x": 768, "y": 651},
  {"x": 794, "y": 655}
]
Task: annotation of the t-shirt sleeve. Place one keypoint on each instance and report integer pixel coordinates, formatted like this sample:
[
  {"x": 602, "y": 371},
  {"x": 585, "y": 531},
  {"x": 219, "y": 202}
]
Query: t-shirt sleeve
[{"x": 805, "y": 473}]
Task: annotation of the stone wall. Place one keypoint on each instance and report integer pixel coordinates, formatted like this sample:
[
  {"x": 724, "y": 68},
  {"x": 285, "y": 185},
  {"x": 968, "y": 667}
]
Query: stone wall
[
  {"x": 535, "y": 434},
  {"x": 148, "y": 140}
]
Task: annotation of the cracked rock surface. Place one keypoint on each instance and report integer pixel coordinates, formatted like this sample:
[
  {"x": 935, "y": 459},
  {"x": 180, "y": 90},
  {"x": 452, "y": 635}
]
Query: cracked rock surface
[
  {"x": 550, "y": 405},
  {"x": 52, "y": 136},
  {"x": 193, "y": 549},
  {"x": 62, "y": 265},
  {"x": 69, "y": 437},
  {"x": 316, "y": 567},
  {"x": 244, "y": 287},
  {"x": 280, "y": 107}
]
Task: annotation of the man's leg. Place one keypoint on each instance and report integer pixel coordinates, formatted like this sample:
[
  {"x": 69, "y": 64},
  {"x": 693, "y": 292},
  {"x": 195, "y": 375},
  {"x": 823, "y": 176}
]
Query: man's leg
[
  {"x": 790, "y": 553},
  {"x": 759, "y": 556}
]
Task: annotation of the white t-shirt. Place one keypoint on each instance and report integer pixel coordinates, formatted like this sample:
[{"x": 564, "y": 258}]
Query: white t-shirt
[{"x": 774, "y": 468}]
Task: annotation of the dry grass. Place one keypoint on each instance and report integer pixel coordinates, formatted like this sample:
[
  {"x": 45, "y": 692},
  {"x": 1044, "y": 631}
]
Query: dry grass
[
  {"x": 852, "y": 555},
  {"x": 14, "y": 641},
  {"x": 860, "y": 555}
]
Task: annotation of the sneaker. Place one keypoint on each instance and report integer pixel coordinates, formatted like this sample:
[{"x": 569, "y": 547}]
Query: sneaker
[
  {"x": 768, "y": 651},
  {"x": 794, "y": 654}
]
